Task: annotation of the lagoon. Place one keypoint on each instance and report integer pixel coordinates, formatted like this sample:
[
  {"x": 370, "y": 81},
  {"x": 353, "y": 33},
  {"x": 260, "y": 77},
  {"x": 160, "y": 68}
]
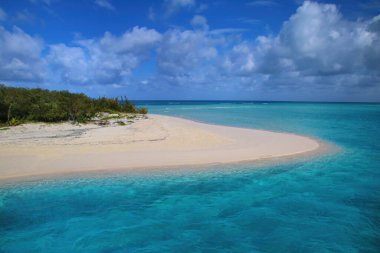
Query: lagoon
[{"x": 328, "y": 203}]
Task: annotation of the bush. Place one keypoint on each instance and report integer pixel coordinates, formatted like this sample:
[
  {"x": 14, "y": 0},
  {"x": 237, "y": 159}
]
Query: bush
[
  {"x": 142, "y": 110},
  {"x": 120, "y": 123},
  {"x": 14, "y": 122},
  {"x": 53, "y": 106}
]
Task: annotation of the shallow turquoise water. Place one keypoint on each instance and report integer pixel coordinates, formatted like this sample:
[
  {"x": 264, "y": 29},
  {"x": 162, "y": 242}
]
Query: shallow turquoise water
[{"x": 325, "y": 204}]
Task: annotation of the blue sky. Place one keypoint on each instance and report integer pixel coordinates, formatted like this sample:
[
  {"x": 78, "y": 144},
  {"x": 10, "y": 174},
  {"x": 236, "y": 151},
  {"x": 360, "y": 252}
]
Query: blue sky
[{"x": 193, "y": 49}]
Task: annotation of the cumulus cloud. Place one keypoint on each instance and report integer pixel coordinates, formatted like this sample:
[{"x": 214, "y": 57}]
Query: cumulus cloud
[
  {"x": 107, "y": 60},
  {"x": 372, "y": 53},
  {"x": 199, "y": 21},
  {"x": 20, "y": 56},
  {"x": 317, "y": 41},
  {"x": 240, "y": 60},
  {"x": 182, "y": 53},
  {"x": 69, "y": 64},
  {"x": 315, "y": 47},
  {"x": 193, "y": 58},
  {"x": 316, "y": 51}
]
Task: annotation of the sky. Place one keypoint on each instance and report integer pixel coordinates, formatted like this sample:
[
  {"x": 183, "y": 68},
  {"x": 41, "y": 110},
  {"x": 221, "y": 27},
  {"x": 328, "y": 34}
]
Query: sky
[{"x": 194, "y": 49}]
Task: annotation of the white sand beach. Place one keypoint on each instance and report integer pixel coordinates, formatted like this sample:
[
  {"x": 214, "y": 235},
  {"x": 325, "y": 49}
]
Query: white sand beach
[{"x": 157, "y": 141}]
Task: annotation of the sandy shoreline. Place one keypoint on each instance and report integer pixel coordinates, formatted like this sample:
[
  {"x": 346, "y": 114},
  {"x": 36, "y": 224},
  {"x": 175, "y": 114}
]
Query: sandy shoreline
[{"x": 34, "y": 150}]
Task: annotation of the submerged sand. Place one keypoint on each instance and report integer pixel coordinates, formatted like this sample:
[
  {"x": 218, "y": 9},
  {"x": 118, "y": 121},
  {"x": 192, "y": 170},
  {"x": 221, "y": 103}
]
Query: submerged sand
[{"x": 154, "y": 142}]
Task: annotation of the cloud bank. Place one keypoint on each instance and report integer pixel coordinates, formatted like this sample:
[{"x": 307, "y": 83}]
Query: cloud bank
[
  {"x": 316, "y": 50},
  {"x": 106, "y": 60}
]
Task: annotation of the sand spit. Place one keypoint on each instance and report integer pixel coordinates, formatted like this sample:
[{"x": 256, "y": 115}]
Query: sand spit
[{"x": 154, "y": 142}]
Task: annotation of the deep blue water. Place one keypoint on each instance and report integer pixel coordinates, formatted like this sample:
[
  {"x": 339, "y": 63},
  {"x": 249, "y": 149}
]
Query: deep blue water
[{"x": 329, "y": 203}]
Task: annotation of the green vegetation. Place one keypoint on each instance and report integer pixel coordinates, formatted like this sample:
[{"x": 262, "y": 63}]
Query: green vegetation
[
  {"x": 142, "y": 110},
  {"x": 131, "y": 116},
  {"x": 18, "y": 105},
  {"x": 120, "y": 123}
]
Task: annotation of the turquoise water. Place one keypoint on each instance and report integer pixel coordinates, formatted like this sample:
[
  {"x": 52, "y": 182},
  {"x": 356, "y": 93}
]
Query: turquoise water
[{"x": 329, "y": 203}]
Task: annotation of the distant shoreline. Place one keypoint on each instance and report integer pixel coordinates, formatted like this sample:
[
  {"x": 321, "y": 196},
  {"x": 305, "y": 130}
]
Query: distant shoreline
[
  {"x": 49, "y": 150},
  {"x": 155, "y": 101}
]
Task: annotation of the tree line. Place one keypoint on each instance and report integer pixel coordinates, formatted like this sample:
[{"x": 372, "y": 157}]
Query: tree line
[{"x": 21, "y": 104}]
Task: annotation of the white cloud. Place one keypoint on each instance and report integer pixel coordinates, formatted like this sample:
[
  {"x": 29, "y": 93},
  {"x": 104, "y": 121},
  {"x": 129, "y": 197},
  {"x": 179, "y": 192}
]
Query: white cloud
[
  {"x": 3, "y": 15},
  {"x": 105, "y": 4},
  {"x": 265, "y": 3},
  {"x": 182, "y": 52},
  {"x": 372, "y": 53},
  {"x": 199, "y": 21},
  {"x": 240, "y": 60},
  {"x": 136, "y": 41},
  {"x": 250, "y": 21},
  {"x": 194, "y": 58},
  {"x": 20, "y": 56},
  {"x": 316, "y": 49},
  {"x": 69, "y": 64},
  {"x": 222, "y": 31},
  {"x": 107, "y": 60},
  {"x": 317, "y": 41},
  {"x": 24, "y": 16},
  {"x": 173, "y": 6},
  {"x": 202, "y": 7},
  {"x": 151, "y": 14}
]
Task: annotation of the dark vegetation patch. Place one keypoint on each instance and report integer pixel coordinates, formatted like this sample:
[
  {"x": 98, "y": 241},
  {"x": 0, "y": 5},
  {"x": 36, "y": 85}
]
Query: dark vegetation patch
[{"x": 19, "y": 105}]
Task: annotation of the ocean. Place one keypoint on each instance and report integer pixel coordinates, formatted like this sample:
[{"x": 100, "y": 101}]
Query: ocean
[{"x": 327, "y": 203}]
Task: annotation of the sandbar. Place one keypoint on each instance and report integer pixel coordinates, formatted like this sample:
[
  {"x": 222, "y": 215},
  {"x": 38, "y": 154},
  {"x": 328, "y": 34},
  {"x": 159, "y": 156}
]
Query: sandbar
[{"x": 155, "y": 141}]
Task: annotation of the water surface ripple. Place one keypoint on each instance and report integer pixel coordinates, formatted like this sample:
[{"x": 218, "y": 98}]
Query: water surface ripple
[{"x": 324, "y": 204}]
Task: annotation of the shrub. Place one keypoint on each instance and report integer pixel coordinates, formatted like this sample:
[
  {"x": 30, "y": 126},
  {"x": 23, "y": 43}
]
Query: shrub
[
  {"x": 14, "y": 122},
  {"x": 142, "y": 110},
  {"x": 54, "y": 106},
  {"x": 120, "y": 123}
]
